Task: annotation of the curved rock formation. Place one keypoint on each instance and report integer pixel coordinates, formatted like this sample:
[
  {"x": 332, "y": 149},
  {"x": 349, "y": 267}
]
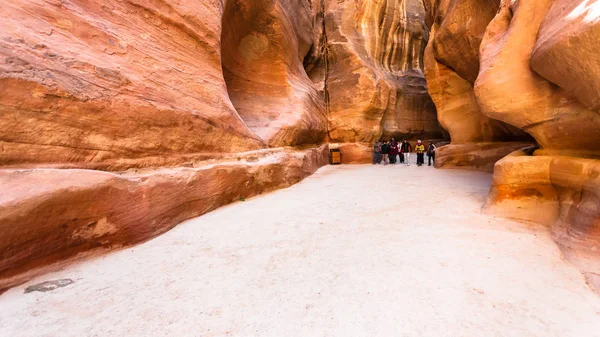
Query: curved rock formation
[
  {"x": 531, "y": 65},
  {"x": 451, "y": 67},
  {"x": 263, "y": 47},
  {"x": 179, "y": 102},
  {"x": 89, "y": 81},
  {"x": 559, "y": 123}
]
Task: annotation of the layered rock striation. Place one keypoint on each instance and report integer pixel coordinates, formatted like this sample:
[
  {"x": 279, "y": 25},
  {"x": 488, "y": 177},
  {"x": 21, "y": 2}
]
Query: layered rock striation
[{"x": 376, "y": 86}]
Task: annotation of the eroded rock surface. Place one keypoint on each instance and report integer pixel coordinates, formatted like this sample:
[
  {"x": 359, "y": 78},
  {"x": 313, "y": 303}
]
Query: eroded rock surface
[
  {"x": 451, "y": 68},
  {"x": 375, "y": 81},
  {"x": 495, "y": 66},
  {"x": 263, "y": 48},
  {"x": 85, "y": 81}
]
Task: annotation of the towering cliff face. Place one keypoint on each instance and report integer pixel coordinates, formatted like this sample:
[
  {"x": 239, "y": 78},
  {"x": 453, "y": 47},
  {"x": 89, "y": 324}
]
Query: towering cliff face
[
  {"x": 375, "y": 80},
  {"x": 537, "y": 72},
  {"x": 451, "y": 68}
]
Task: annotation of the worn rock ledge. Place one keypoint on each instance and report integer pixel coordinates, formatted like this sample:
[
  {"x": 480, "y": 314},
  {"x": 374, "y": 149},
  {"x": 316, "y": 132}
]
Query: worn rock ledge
[
  {"x": 479, "y": 156},
  {"x": 55, "y": 215}
]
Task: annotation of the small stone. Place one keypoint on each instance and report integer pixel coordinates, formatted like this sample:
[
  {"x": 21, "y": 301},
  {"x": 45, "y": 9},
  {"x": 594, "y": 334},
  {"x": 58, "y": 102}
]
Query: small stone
[{"x": 49, "y": 285}]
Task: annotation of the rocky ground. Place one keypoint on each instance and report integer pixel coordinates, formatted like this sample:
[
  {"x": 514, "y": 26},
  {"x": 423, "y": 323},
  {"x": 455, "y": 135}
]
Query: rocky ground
[{"x": 350, "y": 251}]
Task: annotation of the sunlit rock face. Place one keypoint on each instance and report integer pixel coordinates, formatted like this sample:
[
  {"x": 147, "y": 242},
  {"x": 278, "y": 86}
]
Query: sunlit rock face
[
  {"x": 554, "y": 116},
  {"x": 375, "y": 79}
]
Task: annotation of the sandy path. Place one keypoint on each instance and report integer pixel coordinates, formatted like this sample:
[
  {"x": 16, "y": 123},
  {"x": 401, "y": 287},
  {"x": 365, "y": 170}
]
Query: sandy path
[{"x": 351, "y": 251}]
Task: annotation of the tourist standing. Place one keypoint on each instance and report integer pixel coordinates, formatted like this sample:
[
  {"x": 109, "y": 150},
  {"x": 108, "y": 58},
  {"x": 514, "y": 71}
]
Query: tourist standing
[
  {"x": 406, "y": 150},
  {"x": 431, "y": 153},
  {"x": 420, "y": 149},
  {"x": 377, "y": 152},
  {"x": 385, "y": 151},
  {"x": 393, "y": 151},
  {"x": 400, "y": 153}
]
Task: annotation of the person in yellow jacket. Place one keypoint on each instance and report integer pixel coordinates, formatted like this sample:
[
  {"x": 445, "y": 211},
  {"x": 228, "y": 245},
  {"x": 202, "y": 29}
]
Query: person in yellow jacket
[{"x": 420, "y": 149}]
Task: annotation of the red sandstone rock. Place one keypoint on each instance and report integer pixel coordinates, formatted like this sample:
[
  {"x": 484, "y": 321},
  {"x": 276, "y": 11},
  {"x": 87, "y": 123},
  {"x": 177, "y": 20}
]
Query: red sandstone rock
[
  {"x": 263, "y": 47},
  {"x": 479, "y": 156},
  {"x": 559, "y": 123},
  {"x": 85, "y": 81},
  {"x": 530, "y": 79}
]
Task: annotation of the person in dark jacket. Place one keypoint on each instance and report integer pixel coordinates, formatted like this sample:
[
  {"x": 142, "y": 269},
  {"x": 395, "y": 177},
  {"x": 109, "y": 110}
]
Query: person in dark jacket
[
  {"x": 431, "y": 153},
  {"x": 385, "y": 151},
  {"x": 393, "y": 151},
  {"x": 377, "y": 152},
  {"x": 406, "y": 150}
]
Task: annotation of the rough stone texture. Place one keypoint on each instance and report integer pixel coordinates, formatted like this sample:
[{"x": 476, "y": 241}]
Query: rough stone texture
[
  {"x": 375, "y": 76},
  {"x": 52, "y": 215},
  {"x": 457, "y": 39},
  {"x": 263, "y": 47}
]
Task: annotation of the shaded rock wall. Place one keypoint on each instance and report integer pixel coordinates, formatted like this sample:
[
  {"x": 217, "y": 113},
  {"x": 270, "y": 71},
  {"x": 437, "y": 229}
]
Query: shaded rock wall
[
  {"x": 375, "y": 80},
  {"x": 263, "y": 47},
  {"x": 452, "y": 66}
]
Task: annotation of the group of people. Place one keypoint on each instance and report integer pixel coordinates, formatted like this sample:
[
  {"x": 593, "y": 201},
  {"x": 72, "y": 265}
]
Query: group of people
[{"x": 393, "y": 152}]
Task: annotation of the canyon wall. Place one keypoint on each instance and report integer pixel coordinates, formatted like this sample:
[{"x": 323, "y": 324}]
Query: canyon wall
[
  {"x": 451, "y": 68},
  {"x": 119, "y": 119},
  {"x": 536, "y": 71},
  {"x": 375, "y": 83}
]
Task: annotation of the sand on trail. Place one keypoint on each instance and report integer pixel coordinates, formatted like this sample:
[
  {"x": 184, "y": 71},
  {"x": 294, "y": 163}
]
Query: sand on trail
[{"x": 351, "y": 251}]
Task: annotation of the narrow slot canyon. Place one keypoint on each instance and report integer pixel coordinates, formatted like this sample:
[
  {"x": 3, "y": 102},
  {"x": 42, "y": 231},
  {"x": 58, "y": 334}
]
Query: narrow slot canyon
[{"x": 172, "y": 164}]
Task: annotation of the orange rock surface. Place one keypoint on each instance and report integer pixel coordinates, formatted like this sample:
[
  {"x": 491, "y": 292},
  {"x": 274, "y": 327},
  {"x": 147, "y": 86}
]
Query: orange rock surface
[
  {"x": 451, "y": 68},
  {"x": 375, "y": 80}
]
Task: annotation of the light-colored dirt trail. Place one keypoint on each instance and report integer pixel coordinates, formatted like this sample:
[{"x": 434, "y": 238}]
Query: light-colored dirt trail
[{"x": 350, "y": 251}]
